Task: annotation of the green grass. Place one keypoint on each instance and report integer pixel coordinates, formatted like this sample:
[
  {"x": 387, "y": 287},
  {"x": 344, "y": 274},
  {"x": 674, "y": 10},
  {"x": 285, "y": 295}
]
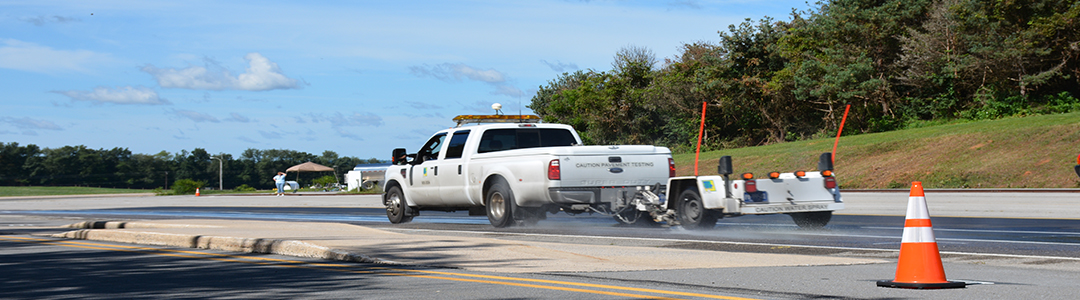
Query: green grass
[
  {"x": 1020, "y": 152},
  {"x": 9, "y": 191}
]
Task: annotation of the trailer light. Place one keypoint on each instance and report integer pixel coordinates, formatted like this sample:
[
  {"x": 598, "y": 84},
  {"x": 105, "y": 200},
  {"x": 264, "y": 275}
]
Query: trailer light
[
  {"x": 750, "y": 186},
  {"x": 774, "y": 175},
  {"x": 830, "y": 183},
  {"x": 747, "y": 176},
  {"x": 800, "y": 174},
  {"x": 671, "y": 167},
  {"x": 554, "y": 173},
  {"x": 826, "y": 173}
]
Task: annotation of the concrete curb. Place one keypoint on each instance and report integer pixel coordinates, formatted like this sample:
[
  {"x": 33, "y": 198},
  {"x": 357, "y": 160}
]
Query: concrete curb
[{"x": 99, "y": 232}]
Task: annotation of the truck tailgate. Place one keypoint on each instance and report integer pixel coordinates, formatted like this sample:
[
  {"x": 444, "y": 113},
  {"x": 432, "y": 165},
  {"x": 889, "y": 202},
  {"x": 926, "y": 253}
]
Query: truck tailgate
[{"x": 606, "y": 166}]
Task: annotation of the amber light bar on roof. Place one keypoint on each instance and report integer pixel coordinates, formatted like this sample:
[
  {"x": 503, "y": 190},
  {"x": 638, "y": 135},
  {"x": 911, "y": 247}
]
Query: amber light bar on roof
[{"x": 467, "y": 119}]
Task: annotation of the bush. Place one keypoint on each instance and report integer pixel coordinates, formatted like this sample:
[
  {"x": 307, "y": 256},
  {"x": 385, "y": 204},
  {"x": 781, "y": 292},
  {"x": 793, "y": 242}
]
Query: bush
[
  {"x": 325, "y": 180},
  {"x": 244, "y": 188},
  {"x": 187, "y": 186}
]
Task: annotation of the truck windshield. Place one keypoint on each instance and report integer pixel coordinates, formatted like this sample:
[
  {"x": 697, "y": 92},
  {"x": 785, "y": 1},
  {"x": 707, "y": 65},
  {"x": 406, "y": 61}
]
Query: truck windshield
[{"x": 512, "y": 138}]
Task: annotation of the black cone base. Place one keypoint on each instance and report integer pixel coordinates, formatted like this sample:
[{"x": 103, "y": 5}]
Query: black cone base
[{"x": 907, "y": 285}]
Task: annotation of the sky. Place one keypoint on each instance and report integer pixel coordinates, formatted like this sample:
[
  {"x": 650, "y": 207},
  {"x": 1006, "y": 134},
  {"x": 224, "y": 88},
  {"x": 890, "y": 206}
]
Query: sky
[{"x": 359, "y": 78}]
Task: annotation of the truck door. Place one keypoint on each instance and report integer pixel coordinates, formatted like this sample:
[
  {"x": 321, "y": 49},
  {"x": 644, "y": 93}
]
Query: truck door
[
  {"x": 452, "y": 171},
  {"x": 423, "y": 180}
]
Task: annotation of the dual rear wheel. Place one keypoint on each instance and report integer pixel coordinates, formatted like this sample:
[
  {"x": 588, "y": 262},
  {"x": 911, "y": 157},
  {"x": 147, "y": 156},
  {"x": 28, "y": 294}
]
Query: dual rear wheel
[{"x": 501, "y": 208}]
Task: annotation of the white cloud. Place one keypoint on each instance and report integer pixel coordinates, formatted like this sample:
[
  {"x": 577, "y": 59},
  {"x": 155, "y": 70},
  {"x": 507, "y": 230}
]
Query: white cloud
[
  {"x": 195, "y": 116},
  {"x": 421, "y": 105},
  {"x": 42, "y": 20},
  {"x": 28, "y": 123},
  {"x": 270, "y": 135},
  {"x": 261, "y": 75},
  {"x": 235, "y": 117},
  {"x": 559, "y": 66},
  {"x": 24, "y": 56},
  {"x": 456, "y": 72},
  {"x": 355, "y": 119},
  {"x": 123, "y": 95}
]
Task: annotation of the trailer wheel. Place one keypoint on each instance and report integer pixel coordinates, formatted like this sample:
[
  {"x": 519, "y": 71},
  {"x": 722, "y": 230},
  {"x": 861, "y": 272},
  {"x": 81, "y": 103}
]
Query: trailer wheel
[
  {"x": 396, "y": 207},
  {"x": 500, "y": 204},
  {"x": 368, "y": 184},
  {"x": 812, "y": 220},
  {"x": 692, "y": 213}
]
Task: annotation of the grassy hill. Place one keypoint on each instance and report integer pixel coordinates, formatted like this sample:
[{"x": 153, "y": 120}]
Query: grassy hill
[{"x": 1027, "y": 152}]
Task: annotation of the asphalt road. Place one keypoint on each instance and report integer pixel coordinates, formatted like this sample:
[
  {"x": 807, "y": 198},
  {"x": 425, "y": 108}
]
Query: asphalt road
[
  {"x": 45, "y": 268},
  {"x": 1000, "y": 257},
  {"x": 1050, "y": 238}
]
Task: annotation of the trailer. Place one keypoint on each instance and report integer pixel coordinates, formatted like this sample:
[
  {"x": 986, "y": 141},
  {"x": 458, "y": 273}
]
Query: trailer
[
  {"x": 697, "y": 202},
  {"x": 366, "y": 176}
]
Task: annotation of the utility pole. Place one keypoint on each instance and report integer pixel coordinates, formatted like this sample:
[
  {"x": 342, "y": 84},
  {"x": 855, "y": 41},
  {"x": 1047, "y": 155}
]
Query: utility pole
[{"x": 221, "y": 165}]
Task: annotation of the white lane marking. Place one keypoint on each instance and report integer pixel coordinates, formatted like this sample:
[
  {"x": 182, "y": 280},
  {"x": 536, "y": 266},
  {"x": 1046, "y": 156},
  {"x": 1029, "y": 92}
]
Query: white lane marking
[
  {"x": 943, "y": 239},
  {"x": 731, "y": 243},
  {"x": 935, "y": 229},
  {"x": 938, "y": 239},
  {"x": 983, "y": 230}
]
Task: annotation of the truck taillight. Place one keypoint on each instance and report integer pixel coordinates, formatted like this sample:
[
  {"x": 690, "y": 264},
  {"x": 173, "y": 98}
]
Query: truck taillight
[
  {"x": 830, "y": 182},
  {"x": 554, "y": 173},
  {"x": 671, "y": 167},
  {"x": 750, "y": 186}
]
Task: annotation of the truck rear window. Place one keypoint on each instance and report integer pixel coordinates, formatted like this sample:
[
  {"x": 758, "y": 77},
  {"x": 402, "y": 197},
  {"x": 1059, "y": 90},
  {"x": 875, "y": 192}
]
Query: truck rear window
[{"x": 512, "y": 138}]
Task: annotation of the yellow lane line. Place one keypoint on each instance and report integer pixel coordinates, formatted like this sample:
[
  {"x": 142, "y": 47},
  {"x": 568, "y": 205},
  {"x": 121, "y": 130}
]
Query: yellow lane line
[{"x": 511, "y": 281}]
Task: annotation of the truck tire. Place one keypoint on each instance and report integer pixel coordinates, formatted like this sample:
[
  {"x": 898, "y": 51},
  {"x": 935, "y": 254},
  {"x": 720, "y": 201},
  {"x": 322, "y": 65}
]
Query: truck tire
[
  {"x": 368, "y": 184},
  {"x": 397, "y": 210},
  {"x": 500, "y": 204},
  {"x": 811, "y": 220},
  {"x": 692, "y": 213}
]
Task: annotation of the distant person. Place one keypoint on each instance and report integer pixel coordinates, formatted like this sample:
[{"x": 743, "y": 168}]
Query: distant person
[{"x": 279, "y": 180}]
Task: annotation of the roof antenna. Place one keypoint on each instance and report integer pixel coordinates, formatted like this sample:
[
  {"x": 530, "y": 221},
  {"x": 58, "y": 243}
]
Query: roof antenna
[{"x": 497, "y": 107}]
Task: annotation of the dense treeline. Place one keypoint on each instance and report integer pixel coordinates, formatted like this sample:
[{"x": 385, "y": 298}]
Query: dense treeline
[
  {"x": 899, "y": 63},
  {"x": 119, "y": 168}
]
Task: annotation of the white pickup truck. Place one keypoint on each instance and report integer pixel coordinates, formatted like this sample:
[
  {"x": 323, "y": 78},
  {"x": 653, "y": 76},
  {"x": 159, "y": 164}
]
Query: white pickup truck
[{"x": 515, "y": 170}]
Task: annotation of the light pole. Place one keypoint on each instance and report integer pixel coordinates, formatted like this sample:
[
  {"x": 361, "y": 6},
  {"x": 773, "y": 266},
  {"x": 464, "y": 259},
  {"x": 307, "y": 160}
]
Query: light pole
[{"x": 221, "y": 187}]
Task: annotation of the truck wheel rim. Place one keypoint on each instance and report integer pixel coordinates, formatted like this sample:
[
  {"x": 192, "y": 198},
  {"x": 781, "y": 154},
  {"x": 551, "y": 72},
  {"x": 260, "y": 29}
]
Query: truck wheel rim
[
  {"x": 497, "y": 206},
  {"x": 394, "y": 203},
  {"x": 693, "y": 210}
]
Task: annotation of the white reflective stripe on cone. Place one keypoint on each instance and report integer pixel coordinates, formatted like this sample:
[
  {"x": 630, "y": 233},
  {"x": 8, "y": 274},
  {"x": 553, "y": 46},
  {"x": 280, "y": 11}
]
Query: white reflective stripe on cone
[
  {"x": 916, "y": 208},
  {"x": 918, "y": 235}
]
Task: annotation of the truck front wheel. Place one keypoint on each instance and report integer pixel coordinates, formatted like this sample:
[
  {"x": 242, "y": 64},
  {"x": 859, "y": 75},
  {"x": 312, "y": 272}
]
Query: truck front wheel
[
  {"x": 812, "y": 220},
  {"x": 500, "y": 204},
  {"x": 692, "y": 213},
  {"x": 396, "y": 208}
]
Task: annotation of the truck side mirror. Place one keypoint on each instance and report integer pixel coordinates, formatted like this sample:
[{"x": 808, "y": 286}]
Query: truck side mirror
[
  {"x": 398, "y": 157},
  {"x": 825, "y": 162},
  {"x": 724, "y": 167}
]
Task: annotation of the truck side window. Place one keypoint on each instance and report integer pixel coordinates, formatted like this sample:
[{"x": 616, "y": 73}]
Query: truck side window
[
  {"x": 509, "y": 139},
  {"x": 457, "y": 144},
  {"x": 431, "y": 149}
]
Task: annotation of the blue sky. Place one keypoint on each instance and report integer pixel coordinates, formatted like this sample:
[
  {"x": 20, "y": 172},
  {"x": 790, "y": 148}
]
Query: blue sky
[{"x": 357, "y": 78}]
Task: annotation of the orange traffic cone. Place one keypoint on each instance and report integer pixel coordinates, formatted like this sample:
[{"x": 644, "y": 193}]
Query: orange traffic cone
[
  {"x": 196, "y": 192},
  {"x": 920, "y": 263}
]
